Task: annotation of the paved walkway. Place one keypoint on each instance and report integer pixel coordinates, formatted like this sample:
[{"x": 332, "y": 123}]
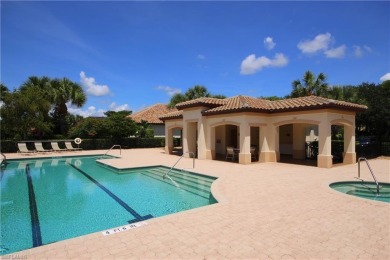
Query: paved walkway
[{"x": 265, "y": 211}]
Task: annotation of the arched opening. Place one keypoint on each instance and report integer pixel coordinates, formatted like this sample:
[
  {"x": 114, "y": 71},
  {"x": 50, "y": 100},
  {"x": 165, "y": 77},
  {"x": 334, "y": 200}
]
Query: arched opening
[
  {"x": 226, "y": 135},
  {"x": 343, "y": 142},
  {"x": 298, "y": 142}
]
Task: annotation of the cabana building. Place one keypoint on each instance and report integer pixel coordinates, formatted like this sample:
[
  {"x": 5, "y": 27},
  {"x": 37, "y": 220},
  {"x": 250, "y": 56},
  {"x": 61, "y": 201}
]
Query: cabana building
[{"x": 266, "y": 128}]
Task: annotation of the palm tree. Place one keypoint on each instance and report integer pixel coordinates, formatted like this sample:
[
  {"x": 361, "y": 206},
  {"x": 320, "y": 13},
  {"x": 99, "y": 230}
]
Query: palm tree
[
  {"x": 64, "y": 91},
  {"x": 192, "y": 93},
  {"x": 58, "y": 92},
  {"x": 310, "y": 85}
]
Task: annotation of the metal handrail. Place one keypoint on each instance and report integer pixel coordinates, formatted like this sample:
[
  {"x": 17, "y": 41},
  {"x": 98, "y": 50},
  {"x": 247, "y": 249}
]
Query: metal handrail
[
  {"x": 193, "y": 163},
  {"x": 115, "y": 145},
  {"x": 4, "y": 160},
  {"x": 372, "y": 173}
]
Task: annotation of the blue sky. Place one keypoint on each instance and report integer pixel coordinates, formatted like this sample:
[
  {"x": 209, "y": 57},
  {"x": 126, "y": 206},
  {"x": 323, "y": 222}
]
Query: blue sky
[{"x": 131, "y": 54}]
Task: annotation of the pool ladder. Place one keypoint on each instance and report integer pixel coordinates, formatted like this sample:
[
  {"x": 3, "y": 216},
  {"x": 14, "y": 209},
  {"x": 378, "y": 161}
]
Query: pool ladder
[
  {"x": 193, "y": 166},
  {"x": 372, "y": 173}
]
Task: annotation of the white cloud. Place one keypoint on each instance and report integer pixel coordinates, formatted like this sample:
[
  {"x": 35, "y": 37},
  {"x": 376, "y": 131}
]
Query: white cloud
[
  {"x": 169, "y": 90},
  {"x": 90, "y": 111},
  {"x": 251, "y": 64},
  {"x": 336, "y": 52},
  {"x": 269, "y": 43},
  {"x": 319, "y": 43},
  {"x": 385, "y": 77},
  {"x": 114, "y": 107},
  {"x": 360, "y": 51},
  {"x": 201, "y": 57},
  {"x": 92, "y": 88},
  {"x": 93, "y": 111}
]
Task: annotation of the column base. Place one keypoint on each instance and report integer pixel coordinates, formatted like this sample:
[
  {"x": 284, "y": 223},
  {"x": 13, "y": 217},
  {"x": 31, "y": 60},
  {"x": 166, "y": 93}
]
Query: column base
[
  {"x": 349, "y": 158},
  {"x": 168, "y": 149},
  {"x": 268, "y": 157},
  {"x": 324, "y": 161},
  {"x": 244, "y": 158}
]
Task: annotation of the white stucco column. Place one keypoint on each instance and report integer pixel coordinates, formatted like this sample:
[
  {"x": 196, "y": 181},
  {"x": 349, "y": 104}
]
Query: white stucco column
[
  {"x": 245, "y": 144},
  {"x": 202, "y": 149},
  {"x": 267, "y": 143},
  {"x": 349, "y": 145},
  {"x": 324, "y": 159},
  {"x": 211, "y": 143},
  {"x": 168, "y": 141},
  {"x": 299, "y": 141}
]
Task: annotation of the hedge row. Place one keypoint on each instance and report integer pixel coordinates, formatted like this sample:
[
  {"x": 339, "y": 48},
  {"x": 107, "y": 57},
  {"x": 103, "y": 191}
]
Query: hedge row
[{"x": 10, "y": 146}]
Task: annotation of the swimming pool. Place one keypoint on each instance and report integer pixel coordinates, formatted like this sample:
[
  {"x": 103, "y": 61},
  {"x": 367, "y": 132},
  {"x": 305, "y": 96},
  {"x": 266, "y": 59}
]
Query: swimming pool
[
  {"x": 49, "y": 200},
  {"x": 367, "y": 190}
]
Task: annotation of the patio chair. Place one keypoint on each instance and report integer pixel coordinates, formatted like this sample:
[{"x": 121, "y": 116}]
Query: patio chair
[
  {"x": 70, "y": 147},
  {"x": 230, "y": 154},
  {"x": 22, "y": 148},
  {"x": 40, "y": 149},
  {"x": 56, "y": 148}
]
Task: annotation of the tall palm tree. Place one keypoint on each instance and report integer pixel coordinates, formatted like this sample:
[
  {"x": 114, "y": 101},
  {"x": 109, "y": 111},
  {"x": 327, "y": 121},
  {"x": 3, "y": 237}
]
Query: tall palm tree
[
  {"x": 197, "y": 91},
  {"x": 311, "y": 85},
  {"x": 59, "y": 92},
  {"x": 64, "y": 91}
]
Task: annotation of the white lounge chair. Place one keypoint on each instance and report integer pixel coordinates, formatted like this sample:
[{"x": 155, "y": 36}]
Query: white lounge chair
[
  {"x": 56, "y": 148},
  {"x": 70, "y": 147},
  {"x": 40, "y": 149},
  {"x": 23, "y": 149}
]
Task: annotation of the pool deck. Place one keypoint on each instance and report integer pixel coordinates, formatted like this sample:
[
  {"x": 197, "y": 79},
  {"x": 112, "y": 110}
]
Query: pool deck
[{"x": 265, "y": 211}]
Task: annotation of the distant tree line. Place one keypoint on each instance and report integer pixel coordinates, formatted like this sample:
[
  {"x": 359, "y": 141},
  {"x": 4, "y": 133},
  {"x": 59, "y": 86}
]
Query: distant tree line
[
  {"x": 375, "y": 121},
  {"x": 38, "y": 110}
]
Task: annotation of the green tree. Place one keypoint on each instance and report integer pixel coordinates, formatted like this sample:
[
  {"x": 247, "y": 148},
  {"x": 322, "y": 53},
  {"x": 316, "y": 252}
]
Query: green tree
[
  {"x": 120, "y": 125},
  {"x": 310, "y": 85},
  {"x": 192, "y": 93},
  {"x": 142, "y": 129},
  {"x": 24, "y": 114},
  {"x": 59, "y": 92},
  {"x": 4, "y": 91},
  {"x": 90, "y": 128}
]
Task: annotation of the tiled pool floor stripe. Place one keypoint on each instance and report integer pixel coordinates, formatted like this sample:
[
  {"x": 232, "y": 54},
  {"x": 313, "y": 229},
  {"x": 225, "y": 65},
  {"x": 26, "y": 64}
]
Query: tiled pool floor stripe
[
  {"x": 137, "y": 216},
  {"x": 35, "y": 226}
]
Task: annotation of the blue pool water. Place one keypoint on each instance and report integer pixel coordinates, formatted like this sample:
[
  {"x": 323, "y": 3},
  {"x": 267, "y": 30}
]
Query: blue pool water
[
  {"x": 48, "y": 200},
  {"x": 367, "y": 190}
]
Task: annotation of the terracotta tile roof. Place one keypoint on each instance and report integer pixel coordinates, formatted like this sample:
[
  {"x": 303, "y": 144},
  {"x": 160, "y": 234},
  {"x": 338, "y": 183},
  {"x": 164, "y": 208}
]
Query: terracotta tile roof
[
  {"x": 203, "y": 101},
  {"x": 152, "y": 114},
  {"x": 172, "y": 115},
  {"x": 250, "y": 104}
]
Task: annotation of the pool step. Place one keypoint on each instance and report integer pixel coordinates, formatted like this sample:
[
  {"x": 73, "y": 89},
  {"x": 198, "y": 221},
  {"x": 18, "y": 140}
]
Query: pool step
[
  {"x": 197, "y": 192},
  {"x": 198, "y": 187},
  {"x": 202, "y": 190},
  {"x": 182, "y": 175},
  {"x": 184, "y": 178}
]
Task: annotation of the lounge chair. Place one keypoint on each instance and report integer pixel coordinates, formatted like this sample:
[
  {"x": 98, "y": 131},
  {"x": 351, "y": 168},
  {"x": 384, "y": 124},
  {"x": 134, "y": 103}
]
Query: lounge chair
[
  {"x": 40, "y": 149},
  {"x": 56, "y": 148},
  {"x": 23, "y": 148},
  {"x": 70, "y": 147}
]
